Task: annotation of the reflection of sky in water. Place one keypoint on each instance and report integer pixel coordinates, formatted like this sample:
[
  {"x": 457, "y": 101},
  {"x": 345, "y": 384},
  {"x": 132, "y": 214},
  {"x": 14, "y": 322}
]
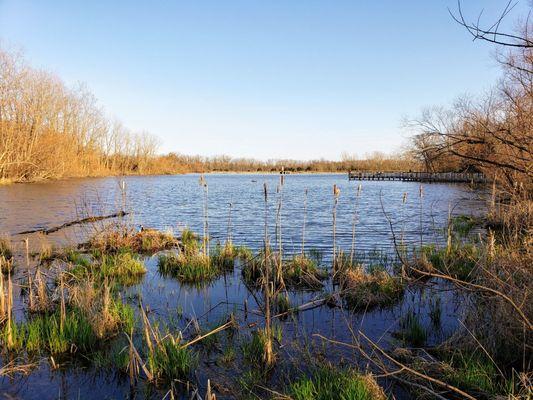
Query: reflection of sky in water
[{"x": 176, "y": 201}]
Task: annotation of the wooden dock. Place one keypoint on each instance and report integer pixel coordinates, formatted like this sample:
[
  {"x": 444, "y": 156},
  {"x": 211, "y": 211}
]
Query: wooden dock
[{"x": 459, "y": 177}]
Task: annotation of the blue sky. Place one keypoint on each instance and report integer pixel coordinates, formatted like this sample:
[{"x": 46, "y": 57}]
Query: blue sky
[{"x": 264, "y": 79}]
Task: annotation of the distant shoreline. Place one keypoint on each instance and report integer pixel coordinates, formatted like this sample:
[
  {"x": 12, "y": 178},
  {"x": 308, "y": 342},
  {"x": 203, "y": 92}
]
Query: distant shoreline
[{"x": 7, "y": 182}]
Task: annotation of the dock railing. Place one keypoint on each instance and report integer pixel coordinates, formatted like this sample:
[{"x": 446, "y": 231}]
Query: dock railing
[{"x": 463, "y": 177}]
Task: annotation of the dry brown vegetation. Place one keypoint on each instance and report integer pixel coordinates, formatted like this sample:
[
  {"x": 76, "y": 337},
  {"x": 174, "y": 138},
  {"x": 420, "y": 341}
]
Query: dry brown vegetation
[{"x": 48, "y": 130}]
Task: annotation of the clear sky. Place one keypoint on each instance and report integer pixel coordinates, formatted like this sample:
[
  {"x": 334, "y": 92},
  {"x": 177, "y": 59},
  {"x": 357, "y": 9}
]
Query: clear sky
[{"x": 299, "y": 79}]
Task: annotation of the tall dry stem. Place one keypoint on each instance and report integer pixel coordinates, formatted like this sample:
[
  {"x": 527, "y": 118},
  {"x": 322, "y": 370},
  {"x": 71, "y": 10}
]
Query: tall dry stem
[
  {"x": 304, "y": 221},
  {"x": 336, "y": 193},
  {"x": 354, "y": 222}
]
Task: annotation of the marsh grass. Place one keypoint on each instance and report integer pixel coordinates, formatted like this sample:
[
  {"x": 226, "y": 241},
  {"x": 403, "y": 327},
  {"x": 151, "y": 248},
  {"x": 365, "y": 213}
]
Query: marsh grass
[
  {"x": 223, "y": 256},
  {"x": 298, "y": 272},
  {"x": 459, "y": 260},
  {"x": 365, "y": 290},
  {"x": 462, "y": 225},
  {"x": 122, "y": 268},
  {"x": 255, "y": 351},
  {"x": 169, "y": 360},
  {"x": 327, "y": 382},
  {"x": 411, "y": 330},
  {"x": 189, "y": 241},
  {"x": 282, "y": 303},
  {"x": 74, "y": 331},
  {"x": 303, "y": 272},
  {"x": 188, "y": 268},
  {"x": 6, "y": 249},
  {"x": 475, "y": 372},
  {"x": 76, "y": 258},
  {"x": 118, "y": 238},
  {"x": 254, "y": 270}
]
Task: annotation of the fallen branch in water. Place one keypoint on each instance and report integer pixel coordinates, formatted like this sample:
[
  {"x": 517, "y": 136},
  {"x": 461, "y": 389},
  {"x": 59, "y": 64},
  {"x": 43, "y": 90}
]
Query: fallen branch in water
[{"x": 76, "y": 222}]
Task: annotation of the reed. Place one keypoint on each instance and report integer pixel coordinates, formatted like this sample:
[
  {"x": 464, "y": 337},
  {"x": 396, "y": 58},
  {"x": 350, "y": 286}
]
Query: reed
[
  {"x": 6, "y": 265},
  {"x": 278, "y": 277},
  {"x": 205, "y": 238},
  {"x": 336, "y": 194},
  {"x": 354, "y": 222},
  {"x": 265, "y": 338},
  {"x": 421, "y": 214},
  {"x": 6, "y": 249},
  {"x": 304, "y": 220}
]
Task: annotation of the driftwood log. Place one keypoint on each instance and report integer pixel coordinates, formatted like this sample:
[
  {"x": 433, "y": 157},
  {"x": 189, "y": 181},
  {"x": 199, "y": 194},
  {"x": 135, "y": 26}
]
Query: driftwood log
[{"x": 76, "y": 222}]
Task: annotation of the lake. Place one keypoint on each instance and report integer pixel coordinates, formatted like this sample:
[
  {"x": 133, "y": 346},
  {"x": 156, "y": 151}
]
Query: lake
[{"x": 175, "y": 202}]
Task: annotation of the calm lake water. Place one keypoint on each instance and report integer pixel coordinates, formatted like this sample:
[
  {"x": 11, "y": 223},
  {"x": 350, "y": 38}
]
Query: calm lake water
[{"x": 174, "y": 202}]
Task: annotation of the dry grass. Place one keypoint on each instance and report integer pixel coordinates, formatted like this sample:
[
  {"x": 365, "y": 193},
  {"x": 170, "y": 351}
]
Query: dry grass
[
  {"x": 302, "y": 272},
  {"x": 363, "y": 290},
  {"x": 116, "y": 238}
]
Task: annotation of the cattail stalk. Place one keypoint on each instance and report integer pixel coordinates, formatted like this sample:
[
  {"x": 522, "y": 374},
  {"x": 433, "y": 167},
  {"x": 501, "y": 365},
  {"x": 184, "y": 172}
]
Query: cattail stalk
[
  {"x": 228, "y": 235},
  {"x": 279, "y": 275},
  {"x": 421, "y": 196},
  {"x": 266, "y": 284},
  {"x": 304, "y": 221},
  {"x": 30, "y": 281},
  {"x": 336, "y": 193},
  {"x": 354, "y": 223}
]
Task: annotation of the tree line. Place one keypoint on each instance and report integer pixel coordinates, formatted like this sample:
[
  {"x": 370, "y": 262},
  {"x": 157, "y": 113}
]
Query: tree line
[
  {"x": 49, "y": 130},
  {"x": 493, "y": 132}
]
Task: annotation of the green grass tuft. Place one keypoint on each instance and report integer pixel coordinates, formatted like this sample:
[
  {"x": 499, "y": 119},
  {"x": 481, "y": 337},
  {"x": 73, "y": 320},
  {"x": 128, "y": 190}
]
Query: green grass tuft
[
  {"x": 169, "y": 360},
  {"x": 411, "y": 330},
  {"x": 188, "y": 268},
  {"x": 327, "y": 383}
]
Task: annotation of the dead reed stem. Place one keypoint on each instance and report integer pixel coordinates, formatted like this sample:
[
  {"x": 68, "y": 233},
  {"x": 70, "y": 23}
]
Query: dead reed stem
[
  {"x": 336, "y": 193},
  {"x": 268, "y": 356},
  {"x": 354, "y": 223},
  {"x": 30, "y": 281},
  {"x": 421, "y": 197},
  {"x": 304, "y": 221}
]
